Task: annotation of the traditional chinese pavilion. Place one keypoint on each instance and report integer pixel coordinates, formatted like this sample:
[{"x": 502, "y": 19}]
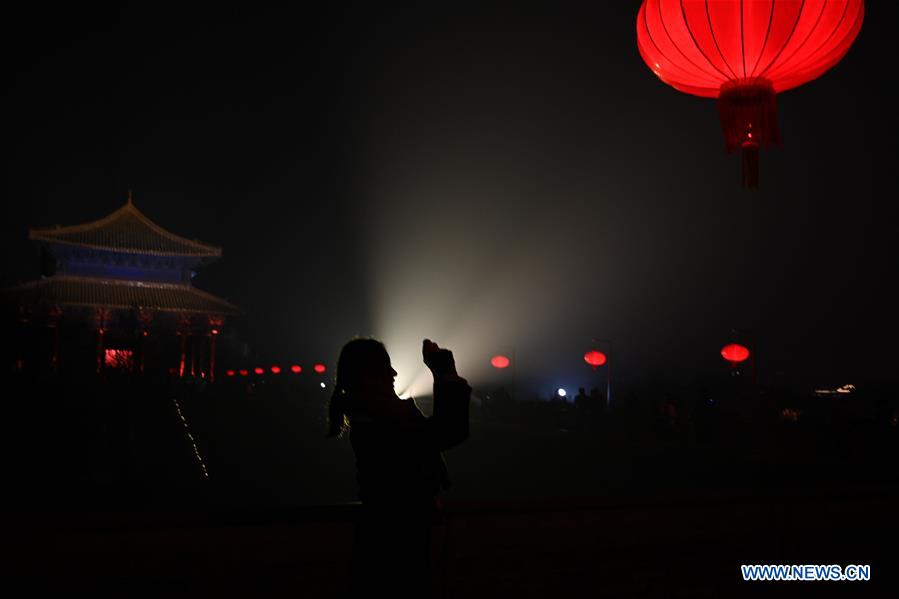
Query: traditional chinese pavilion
[{"x": 116, "y": 297}]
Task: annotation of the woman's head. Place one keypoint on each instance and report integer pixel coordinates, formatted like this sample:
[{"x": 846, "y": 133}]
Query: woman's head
[
  {"x": 364, "y": 365},
  {"x": 363, "y": 368}
]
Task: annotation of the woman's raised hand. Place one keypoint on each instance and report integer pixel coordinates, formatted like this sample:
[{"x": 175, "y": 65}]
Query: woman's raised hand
[{"x": 439, "y": 360}]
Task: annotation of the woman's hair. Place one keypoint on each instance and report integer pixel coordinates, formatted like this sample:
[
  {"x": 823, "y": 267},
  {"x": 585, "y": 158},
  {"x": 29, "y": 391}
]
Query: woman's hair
[{"x": 359, "y": 357}]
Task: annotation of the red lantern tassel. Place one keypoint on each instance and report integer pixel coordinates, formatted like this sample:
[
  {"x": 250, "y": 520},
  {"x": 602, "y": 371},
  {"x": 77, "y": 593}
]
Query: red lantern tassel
[
  {"x": 750, "y": 165},
  {"x": 747, "y": 109}
]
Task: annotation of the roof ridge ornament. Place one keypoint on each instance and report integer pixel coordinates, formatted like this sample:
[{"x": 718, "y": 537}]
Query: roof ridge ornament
[{"x": 130, "y": 198}]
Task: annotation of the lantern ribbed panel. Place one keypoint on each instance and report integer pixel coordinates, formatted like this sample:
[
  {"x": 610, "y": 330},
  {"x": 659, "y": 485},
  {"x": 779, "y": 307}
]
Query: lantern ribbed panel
[{"x": 696, "y": 46}]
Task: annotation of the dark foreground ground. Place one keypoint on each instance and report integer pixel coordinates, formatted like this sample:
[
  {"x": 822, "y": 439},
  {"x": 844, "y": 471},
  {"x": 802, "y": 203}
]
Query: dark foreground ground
[
  {"x": 107, "y": 497},
  {"x": 672, "y": 546}
]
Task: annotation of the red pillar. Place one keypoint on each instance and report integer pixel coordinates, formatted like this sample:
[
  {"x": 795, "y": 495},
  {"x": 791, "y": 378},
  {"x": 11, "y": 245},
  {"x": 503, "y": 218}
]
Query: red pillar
[
  {"x": 102, "y": 316},
  {"x": 143, "y": 350},
  {"x": 215, "y": 325},
  {"x": 212, "y": 357},
  {"x": 144, "y": 318},
  {"x": 193, "y": 357},
  {"x": 183, "y": 353},
  {"x": 100, "y": 349}
]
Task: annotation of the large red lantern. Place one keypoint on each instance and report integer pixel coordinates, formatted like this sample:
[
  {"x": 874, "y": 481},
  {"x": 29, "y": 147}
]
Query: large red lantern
[
  {"x": 734, "y": 353},
  {"x": 744, "y": 53},
  {"x": 595, "y": 358}
]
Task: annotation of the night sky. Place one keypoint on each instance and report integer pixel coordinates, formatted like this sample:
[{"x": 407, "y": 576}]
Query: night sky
[{"x": 497, "y": 180}]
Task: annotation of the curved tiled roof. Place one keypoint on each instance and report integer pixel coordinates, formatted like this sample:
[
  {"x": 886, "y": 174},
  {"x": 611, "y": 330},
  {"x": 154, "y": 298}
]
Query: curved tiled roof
[
  {"x": 113, "y": 293},
  {"x": 126, "y": 230}
]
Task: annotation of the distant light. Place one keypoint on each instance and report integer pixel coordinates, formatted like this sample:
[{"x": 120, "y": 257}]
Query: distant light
[
  {"x": 244, "y": 372},
  {"x": 322, "y": 384},
  {"x": 259, "y": 370},
  {"x": 562, "y": 392},
  {"x": 500, "y": 361},
  {"x": 215, "y": 331},
  {"x": 296, "y": 369},
  {"x": 276, "y": 369},
  {"x": 734, "y": 353},
  {"x": 844, "y": 390},
  {"x": 790, "y": 415},
  {"x": 229, "y": 373},
  {"x": 595, "y": 358},
  {"x": 319, "y": 368}
]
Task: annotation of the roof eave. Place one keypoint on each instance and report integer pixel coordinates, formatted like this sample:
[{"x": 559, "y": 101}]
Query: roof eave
[{"x": 210, "y": 251}]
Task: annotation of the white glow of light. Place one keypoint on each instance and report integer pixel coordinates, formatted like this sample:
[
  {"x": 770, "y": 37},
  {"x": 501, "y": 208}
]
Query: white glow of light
[
  {"x": 322, "y": 384},
  {"x": 420, "y": 383},
  {"x": 562, "y": 392},
  {"x": 464, "y": 292}
]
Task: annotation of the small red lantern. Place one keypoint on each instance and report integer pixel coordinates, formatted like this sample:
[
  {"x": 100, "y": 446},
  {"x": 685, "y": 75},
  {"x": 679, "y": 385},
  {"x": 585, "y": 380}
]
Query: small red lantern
[
  {"x": 734, "y": 353},
  {"x": 259, "y": 370},
  {"x": 595, "y": 358},
  {"x": 319, "y": 368},
  {"x": 500, "y": 361},
  {"x": 276, "y": 369},
  {"x": 296, "y": 369},
  {"x": 229, "y": 373},
  {"x": 244, "y": 372}
]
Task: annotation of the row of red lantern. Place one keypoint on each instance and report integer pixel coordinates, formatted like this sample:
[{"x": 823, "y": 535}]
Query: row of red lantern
[
  {"x": 274, "y": 369},
  {"x": 593, "y": 357},
  {"x": 733, "y": 353}
]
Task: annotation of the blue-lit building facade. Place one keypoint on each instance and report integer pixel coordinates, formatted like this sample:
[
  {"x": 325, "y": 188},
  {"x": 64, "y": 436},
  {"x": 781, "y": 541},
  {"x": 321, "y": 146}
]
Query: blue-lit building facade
[{"x": 116, "y": 297}]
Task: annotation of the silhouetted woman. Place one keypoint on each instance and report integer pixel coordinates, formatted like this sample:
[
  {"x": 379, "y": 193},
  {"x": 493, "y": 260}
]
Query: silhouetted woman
[{"x": 399, "y": 466}]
